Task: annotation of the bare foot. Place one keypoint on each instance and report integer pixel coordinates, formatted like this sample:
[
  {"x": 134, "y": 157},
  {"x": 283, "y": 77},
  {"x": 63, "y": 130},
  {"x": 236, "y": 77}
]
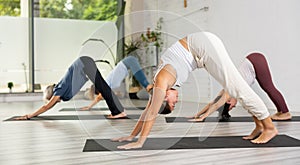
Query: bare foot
[
  {"x": 265, "y": 136},
  {"x": 255, "y": 133},
  {"x": 120, "y": 115},
  {"x": 281, "y": 116}
]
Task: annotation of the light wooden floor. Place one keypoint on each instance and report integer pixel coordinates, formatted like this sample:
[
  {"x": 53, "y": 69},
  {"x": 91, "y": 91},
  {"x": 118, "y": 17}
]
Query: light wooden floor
[{"x": 61, "y": 142}]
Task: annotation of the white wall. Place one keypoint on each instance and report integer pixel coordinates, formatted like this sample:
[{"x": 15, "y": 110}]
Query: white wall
[
  {"x": 177, "y": 22},
  {"x": 268, "y": 26}
]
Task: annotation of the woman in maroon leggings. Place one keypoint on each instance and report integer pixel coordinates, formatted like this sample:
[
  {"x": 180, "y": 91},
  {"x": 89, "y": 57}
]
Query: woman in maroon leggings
[{"x": 256, "y": 67}]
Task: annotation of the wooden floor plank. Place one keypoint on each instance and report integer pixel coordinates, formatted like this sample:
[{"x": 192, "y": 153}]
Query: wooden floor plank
[{"x": 62, "y": 142}]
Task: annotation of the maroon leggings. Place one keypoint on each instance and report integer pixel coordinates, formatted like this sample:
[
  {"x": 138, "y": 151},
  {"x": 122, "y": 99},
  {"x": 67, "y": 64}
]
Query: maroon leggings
[{"x": 264, "y": 79}]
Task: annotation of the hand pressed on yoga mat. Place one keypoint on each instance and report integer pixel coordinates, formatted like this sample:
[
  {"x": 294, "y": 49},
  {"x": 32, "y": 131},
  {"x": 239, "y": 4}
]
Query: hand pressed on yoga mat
[
  {"x": 25, "y": 117},
  {"x": 125, "y": 138}
]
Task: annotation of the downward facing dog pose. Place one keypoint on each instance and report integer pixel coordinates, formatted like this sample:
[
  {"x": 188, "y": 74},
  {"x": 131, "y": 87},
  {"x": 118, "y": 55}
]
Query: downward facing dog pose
[
  {"x": 255, "y": 66},
  {"x": 117, "y": 75},
  {"x": 83, "y": 69},
  {"x": 200, "y": 50}
]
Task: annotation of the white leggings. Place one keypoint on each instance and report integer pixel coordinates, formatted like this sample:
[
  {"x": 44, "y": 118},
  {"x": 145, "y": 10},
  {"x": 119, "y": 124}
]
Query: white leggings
[{"x": 210, "y": 53}]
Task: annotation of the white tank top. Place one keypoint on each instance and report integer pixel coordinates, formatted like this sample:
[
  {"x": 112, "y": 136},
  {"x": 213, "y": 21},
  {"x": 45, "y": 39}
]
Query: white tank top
[
  {"x": 181, "y": 60},
  {"x": 247, "y": 71}
]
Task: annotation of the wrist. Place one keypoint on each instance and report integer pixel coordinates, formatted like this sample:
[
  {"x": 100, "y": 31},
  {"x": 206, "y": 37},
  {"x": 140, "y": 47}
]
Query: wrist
[
  {"x": 132, "y": 136},
  {"x": 31, "y": 115},
  {"x": 27, "y": 117}
]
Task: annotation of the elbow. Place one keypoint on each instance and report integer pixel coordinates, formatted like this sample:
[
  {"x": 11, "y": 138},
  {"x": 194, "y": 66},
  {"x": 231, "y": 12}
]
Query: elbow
[
  {"x": 45, "y": 107},
  {"x": 209, "y": 104},
  {"x": 151, "y": 115}
]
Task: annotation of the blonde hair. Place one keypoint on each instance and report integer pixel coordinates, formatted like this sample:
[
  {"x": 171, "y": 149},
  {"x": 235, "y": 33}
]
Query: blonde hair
[
  {"x": 91, "y": 93},
  {"x": 48, "y": 92}
]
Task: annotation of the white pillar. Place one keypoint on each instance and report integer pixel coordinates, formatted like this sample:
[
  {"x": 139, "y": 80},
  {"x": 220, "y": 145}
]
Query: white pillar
[
  {"x": 134, "y": 22},
  {"x": 24, "y": 8}
]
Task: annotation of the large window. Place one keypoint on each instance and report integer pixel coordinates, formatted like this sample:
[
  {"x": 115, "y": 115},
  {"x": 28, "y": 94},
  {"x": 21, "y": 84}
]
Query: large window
[
  {"x": 67, "y": 9},
  {"x": 59, "y": 29},
  {"x": 79, "y": 9},
  {"x": 10, "y": 8}
]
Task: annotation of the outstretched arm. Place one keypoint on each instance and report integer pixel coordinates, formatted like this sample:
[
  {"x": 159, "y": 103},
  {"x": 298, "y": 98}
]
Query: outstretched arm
[
  {"x": 94, "y": 102},
  {"x": 164, "y": 80},
  {"x": 44, "y": 108},
  {"x": 147, "y": 120},
  {"x": 211, "y": 107}
]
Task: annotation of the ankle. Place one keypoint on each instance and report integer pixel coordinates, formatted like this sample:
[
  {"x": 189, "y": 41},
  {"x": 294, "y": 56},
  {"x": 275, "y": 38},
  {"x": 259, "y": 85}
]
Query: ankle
[{"x": 259, "y": 127}]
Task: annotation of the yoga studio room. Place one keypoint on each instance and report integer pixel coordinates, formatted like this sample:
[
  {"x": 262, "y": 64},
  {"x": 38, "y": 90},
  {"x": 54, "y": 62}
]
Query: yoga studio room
[{"x": 160, "y": 82}]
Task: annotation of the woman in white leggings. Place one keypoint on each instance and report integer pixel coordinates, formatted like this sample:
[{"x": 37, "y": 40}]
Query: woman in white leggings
[{"x": 200, "y": 50}]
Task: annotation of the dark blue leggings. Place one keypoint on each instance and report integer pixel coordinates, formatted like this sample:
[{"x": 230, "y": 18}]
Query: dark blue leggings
[
  {"x": 91, "y": 70},
  {"x": 264, "y": 79},
  {"x": 133, "y": 64}
]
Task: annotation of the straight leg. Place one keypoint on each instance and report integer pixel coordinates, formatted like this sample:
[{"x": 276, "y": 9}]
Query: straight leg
[
  {"x": 94, "y": 75},
  {"x": 264, "y": 78}
]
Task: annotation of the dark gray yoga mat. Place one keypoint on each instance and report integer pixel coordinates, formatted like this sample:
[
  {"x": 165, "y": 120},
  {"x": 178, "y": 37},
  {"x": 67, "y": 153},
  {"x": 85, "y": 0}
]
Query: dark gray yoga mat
[
  {"x": 101, "y": 109},
  {"x": 73, "y": 117},
  {"x": 173, "y": 143},
  {"x": 232, "y": 119}
]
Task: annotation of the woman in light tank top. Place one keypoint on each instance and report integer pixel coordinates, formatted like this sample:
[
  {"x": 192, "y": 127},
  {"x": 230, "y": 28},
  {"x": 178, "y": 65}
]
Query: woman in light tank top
[{"x": 200, "y": 50}]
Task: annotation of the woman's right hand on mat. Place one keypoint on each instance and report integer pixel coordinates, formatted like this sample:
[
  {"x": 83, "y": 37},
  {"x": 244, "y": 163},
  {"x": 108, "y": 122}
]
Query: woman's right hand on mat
[
  {"x": 132, "y": 145},
  {"x": 25, "y": 117},
  {"x": 192, "y": 117},
  {"x": 121, "y": 139},
  {"x": 86, "y": 108},
  {"x": 199, "y": 119}
]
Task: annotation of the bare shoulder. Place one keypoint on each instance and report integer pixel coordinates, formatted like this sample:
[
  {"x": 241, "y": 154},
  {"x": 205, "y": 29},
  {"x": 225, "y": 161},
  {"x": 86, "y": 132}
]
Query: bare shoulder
[{"x": 166, "y": 77}]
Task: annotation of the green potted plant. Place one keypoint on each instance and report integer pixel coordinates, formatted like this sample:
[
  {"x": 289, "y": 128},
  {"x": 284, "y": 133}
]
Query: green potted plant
[
  {"x": 153, "y": 37},
  {"x": 10, "y": 85},
  {"x": 153, "y": 43},
  {"x": 131, "y": 47},
  {"x": 150, "y": 43}
]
